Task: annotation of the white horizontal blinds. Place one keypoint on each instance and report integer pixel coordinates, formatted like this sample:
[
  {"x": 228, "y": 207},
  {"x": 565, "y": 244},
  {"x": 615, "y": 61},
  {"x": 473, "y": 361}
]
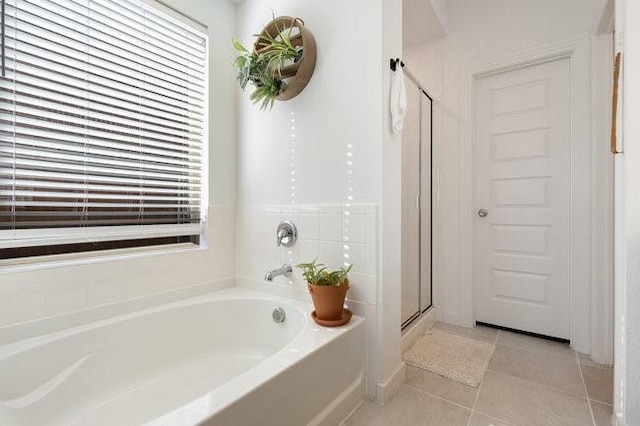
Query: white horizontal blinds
[{"x": 101, "y": 122}]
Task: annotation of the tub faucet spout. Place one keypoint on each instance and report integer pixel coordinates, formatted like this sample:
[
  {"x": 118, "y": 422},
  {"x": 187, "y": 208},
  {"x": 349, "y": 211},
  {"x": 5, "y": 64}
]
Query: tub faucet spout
[{"x": 286, "y": 270}]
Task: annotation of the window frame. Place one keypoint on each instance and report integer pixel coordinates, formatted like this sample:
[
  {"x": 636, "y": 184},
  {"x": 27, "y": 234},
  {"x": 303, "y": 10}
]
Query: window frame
[{"x": 82, "y": 235}]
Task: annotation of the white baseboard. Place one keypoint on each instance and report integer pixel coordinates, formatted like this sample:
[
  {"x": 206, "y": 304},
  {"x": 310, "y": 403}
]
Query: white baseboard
[
  {"x": 411, "y": 334},
  {"x": 385, "y": 391},
  {"x": 617, "y": 420},
  {"x": 450, "y": 317}
]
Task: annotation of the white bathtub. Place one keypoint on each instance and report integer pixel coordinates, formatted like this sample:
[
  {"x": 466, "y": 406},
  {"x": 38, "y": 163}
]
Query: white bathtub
[{"x": 217, "y": 359}]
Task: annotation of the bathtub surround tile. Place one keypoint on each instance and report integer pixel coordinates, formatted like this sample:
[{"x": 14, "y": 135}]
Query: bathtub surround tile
[
  {"x": 535, "y": 366},
  {"x": 308, "y": 226},
  {"x": 372, "y": 228},
  {"x": 307, "y": 249},
  {"x": 410, "y": 407},
  {"x": 362, "y": 288},
  {"x": 288, "y": 209},
  {"x": 356, "y": 254},
  {"x": 372, "y": 330},
  {"x": 354, "y": 227},
  {"x": 355, "y": 208},
  {"x": 257, "y": 254},
  {"x": 599, "y": 383},
  {"x": 136, "y": 286},
  {"x": 441, "y": 386},
  {"x": 330, "y": 227},
  {"x": 85, "y": 281},
  {"x": 529, "y": 404},
  {"x": 330, "y": 254},
  {"x": 50, "y": 324},
  {"x": 269, "y": 209},
  {"x": 308, "y": 209},
  {"x": 358, "y": 308},
  {"x": 321, "y": 236},
  {"x": 330, "y": 209}
]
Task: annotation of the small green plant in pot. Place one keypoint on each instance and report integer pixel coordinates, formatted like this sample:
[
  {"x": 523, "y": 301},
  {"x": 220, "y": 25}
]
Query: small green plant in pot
[{"x": 328, "y": 290}]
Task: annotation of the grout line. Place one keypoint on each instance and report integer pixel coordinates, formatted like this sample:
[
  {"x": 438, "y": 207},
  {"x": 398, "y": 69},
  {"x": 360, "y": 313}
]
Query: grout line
[
  {"x": 436, "y": 396},
  {"x": 601, "y": 402},
  {"x": 584, "y": 384},
  {"x": 537, "y": 384},
  {"x": 475, "y": 402},
  {"x": 473, "y": 408},
  {"x": 493, "y": 417}
]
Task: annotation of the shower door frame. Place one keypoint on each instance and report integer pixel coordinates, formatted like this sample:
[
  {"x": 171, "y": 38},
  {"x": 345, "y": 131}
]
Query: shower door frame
[{"x": 423, "y": 310}]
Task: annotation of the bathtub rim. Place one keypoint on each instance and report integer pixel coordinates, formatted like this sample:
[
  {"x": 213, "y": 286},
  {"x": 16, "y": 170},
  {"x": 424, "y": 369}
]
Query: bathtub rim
[{"x": 310, "y": 338}]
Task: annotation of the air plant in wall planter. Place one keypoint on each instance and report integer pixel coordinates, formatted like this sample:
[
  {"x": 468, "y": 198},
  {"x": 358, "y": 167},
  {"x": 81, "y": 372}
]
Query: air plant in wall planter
[
  {"x": 328, "y": 291},
  {"x": 280, "y": 64}
]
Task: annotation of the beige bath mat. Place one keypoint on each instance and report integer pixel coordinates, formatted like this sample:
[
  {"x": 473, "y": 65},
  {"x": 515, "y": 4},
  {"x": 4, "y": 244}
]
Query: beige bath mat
[{"x": 455, "y": 357}]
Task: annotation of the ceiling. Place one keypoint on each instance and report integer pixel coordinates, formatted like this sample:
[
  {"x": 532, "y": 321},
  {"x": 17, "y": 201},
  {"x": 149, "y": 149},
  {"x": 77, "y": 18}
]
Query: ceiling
[{"x": 421, "y": 21}]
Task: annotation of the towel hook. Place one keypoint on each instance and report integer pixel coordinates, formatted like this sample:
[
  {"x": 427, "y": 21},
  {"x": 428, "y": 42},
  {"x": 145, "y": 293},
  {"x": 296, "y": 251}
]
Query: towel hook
[{"x": 393, "y": 63}]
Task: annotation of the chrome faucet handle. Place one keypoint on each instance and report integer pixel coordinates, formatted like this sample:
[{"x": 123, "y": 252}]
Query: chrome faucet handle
[{"x": 286, "y": 234}]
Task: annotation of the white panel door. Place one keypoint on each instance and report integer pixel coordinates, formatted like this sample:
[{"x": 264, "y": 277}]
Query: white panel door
[{"x": 523, "y": 186}]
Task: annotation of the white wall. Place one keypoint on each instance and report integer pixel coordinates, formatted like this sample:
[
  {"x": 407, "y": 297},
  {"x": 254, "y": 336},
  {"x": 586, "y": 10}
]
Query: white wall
[
  {"x": 335, "y": 110},
  {"x": 336, "y": 153},
  {"x": 627, "y": 345},
  {"x": 478, "y": 32},
  {"x": 46, "y": 289}
]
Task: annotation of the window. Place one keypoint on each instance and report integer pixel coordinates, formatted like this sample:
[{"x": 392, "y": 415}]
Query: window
[{"x": 103, "y": 109}]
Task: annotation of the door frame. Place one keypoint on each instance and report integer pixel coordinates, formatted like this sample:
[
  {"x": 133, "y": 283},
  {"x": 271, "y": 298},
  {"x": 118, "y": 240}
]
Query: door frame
[{"x": 582, "y": 145}]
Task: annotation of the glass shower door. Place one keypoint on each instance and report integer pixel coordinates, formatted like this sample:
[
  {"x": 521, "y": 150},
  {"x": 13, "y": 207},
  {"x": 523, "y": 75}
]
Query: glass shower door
[
  {"x": 411, "y": 206},
  {"x": 416, "y": 205}
]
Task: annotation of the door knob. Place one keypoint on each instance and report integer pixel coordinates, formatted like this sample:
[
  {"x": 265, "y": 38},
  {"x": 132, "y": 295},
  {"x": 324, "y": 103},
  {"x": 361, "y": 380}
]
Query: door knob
[{"x": 483, "y": 212}]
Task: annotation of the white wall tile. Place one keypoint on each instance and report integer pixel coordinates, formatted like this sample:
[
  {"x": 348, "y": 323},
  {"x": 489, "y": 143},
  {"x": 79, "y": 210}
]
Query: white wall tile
[
  {"x": 362, "y": 288},
  {"x": 356, "y": 254},
  {"x": 330, "y": 227},
  {"x": 308, "y": 226},
  {"x": 307, "y": 250},
  {"x": 330, "y": 209},
  {"x": 372, "y": 259},
  {"x": 355, "y": 228},
  {"x": 372, "y": 229},
  {"x": 331, "y": 254},
  {"x": 355, "y": 208}
]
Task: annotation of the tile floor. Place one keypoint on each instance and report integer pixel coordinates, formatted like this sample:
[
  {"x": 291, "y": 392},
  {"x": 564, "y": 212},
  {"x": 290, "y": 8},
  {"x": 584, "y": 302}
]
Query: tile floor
[{"x": 530, "y": 381}]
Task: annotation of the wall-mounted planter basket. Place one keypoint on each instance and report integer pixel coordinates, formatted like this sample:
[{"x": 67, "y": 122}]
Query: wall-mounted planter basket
[{"x": 295, "y": 77}]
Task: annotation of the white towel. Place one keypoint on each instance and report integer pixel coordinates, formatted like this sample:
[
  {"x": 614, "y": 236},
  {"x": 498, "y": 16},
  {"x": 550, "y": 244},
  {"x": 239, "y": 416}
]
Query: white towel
[{"x": 398, "y": 100}]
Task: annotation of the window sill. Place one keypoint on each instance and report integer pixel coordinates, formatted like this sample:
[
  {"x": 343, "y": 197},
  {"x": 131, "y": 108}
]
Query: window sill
[{"x": 84, "y": 258}]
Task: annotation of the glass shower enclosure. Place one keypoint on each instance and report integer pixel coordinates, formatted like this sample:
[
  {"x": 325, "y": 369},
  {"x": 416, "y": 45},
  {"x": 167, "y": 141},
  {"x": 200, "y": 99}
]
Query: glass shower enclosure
[{"x": 417, "y": 149}]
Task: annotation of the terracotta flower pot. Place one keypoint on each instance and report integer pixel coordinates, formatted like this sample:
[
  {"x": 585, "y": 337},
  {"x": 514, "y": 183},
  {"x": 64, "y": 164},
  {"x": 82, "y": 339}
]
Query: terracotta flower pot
[{"x": 328, "y": 300}]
